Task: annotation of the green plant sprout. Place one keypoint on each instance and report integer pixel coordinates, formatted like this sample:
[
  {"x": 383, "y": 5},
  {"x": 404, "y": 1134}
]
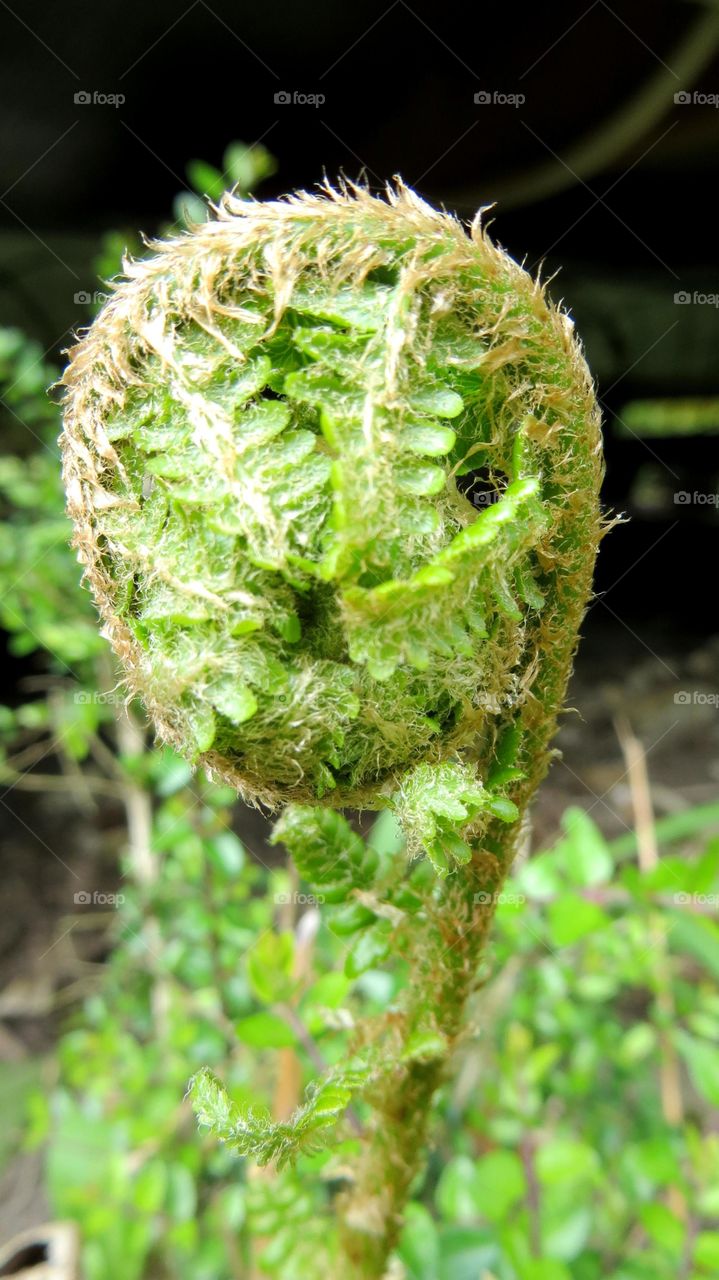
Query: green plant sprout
[{"x": 333, "y": 464}]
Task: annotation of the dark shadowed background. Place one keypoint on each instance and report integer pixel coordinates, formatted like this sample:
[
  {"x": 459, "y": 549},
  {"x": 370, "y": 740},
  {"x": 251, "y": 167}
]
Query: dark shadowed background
[{"x": 595, "y": 169}]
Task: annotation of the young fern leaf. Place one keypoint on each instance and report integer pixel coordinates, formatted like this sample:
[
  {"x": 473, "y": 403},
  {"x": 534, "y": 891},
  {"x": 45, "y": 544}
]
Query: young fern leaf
[
  {"x": 326, "y": 851},
  {"x": 439, "y": 611},
  {"x": 295, "y": 1221},
  {"x": 273, "y": 433},
  {"x": 253, "y": 1133},
  {"x": 434, "y": 804},
  {"x": 264, "y": 431}
]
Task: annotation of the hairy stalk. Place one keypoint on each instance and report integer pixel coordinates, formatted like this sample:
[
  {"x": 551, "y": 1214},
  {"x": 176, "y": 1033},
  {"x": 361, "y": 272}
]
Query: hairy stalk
[{"x": 446, "y": 956}]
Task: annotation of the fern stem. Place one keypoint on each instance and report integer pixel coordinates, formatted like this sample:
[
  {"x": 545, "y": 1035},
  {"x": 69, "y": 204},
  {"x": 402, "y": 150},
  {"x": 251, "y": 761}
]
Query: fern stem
[
  {"x": 446, "y": 954},
  {"x": 444, "y": 965}
]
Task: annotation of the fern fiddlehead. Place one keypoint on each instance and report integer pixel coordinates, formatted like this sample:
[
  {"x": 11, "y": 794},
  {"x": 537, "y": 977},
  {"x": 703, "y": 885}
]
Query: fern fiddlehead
[{"x": 274, "y": 431}]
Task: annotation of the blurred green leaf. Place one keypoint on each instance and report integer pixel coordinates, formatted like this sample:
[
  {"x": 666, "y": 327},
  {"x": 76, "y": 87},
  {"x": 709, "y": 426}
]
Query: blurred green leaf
[
  {"x": 246, "y": 167},
  {"x": 370, "y": 949},
  {"x": 571, "y": 918},
  {"x": 206, "y": 180},
  {"x": 189, "y": 209},
  {"x": 706, "y": 1251},
  {"x": 696, "y": 936},
  {"x": 265, "y": 1031},
  {"x": 269, "y": 966},
  {"x": 702, "y": 1059},
  {"x": 227, "y": 852},
  {"x": 150, "y": 1187},
  {"x": 565, "y": 1231},
  {"x": 486, "y": 1188},
  {"x": 566, "y": 1160},
  {"x": 663, "y": 1227},
  {"x": 587, "y": 857},
  {"x": 455, "y": 1196},
  {"x": 546, "y": 1269},
  {"x": 419, "y": 1244}
]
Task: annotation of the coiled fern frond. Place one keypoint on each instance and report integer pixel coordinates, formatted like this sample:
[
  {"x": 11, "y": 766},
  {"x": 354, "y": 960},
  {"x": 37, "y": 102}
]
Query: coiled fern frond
[{"x": 333, "y": 466}]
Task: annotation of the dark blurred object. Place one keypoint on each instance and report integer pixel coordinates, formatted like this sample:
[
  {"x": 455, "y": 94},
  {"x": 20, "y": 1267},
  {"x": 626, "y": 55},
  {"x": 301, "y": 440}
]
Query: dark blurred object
[{"x": 43, "y": 1253}]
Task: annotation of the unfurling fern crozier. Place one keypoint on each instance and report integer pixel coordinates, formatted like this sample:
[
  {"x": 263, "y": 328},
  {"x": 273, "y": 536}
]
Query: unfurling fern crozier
[{"x": 333, "y": 467}]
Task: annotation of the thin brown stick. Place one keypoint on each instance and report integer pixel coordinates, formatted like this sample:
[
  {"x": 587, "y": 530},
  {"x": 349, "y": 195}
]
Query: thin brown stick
[
  {"x": 137, "y": 801},
  {"x": 648, "y": 858}
]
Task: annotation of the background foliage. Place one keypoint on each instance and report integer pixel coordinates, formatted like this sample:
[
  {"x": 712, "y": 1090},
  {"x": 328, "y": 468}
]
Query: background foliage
[{"x": 574, "y": 1140}]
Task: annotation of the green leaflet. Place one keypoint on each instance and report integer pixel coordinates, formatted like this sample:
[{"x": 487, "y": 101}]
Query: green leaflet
[
  {"x": 370, "y": 949},
  {"x": 429, "y": 439},
  {"x": 364, "y": 308},
  {"x": 252, "y": 1132},
  {"x": 294, "y": 1220},
  {"x": 435, "y": 803},
  {"x": 235, "y": 701},
  {"x": 326, "y": 851},
  {"x": 436, "y": 612}
]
